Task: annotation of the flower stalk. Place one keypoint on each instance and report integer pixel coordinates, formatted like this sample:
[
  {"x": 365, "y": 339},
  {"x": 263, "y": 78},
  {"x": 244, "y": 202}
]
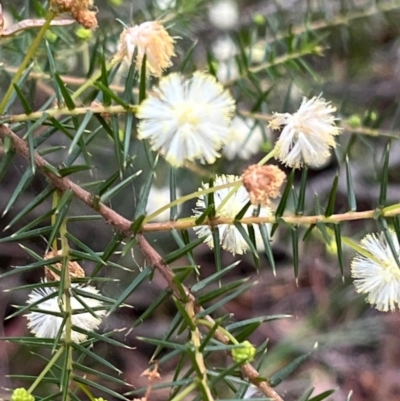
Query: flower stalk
[
  {"x": 43, "y": 373},
  {"x": 198, "y": 356},
  {"x": 29, "y": 55},
  {"x": 66, "y": 301}
]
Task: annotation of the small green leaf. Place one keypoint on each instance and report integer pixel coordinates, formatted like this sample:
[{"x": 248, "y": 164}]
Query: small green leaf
[
  {"x": 306, "y": 395},
  {"x": 173, "y": 327},
  {"x": 115, "y": 190},
  {"x": 130, "y": 83},
  {"x": 90, "y": 253},
  {"x": 98, "y": 386},
  {"x": 384, "y": 176},
  {"x": 28, "y": 234},
  {"x": 108, "y": 93},
  {"x": 25, "y": 105},
  {"x": 51, "y": 169},
  {"x": 243, "y": 288},
  {"x": 39, "y": 220},
  {"x": 31, "y": 266},
  {"x": 83, "y": 350},
  {"x": 350, "y": 190},
  {"x": 295, "y": 250},
  {"x": 73, "y": 169},
  {"x": 105, "y": 185},
  {"x": 7, "y": 158},
  {"x": 214, "y": 277},
  {"x": 80, "y": 131},
  {"x": 108, "y": 252},
  {"x": 260, "y": 319},
  {"x": 187, "y": 57},
  {"x": 219, "y": 291},
  {"x": 23, "y": 183},
  {"x": 210, "y": 198},
  {"x": 308, "y": 232},
  {"x": 183, "y": 240},
  {"x": 208, "y": 211},
  {"x": 282, "y": 204},
  {"x": 60, "y": 214},
  {"x": 186, "y": 319},
  {"x": 217, "y": 245},
  {"x": 282, "y": 374},
  {"x": 127, "y": 139},
  {"x": 338, "y": 239},
  {"x": 183, "y": 251},
  {"x": 97, "y": 372},
  {"x": 32, "y": 205},
  {"x": 142, "y": 276},
  {"x": 302, "y": 192},
  {"x": 243, "y": 211},
  {"x": 64, "y": 92},
  {"x": 250, "y": 244},
  {"x": 172, "y": 190},
  {"x": 144, "y": 193},
  {"x": 332, "y": 197},
  {"x": 49, "y": 150},
  {"x": 161, "y": 299},
  {"x": 137, "y": 223},
  {"x": 267, "y": 246},
  {"x": 322, "y": 396}
]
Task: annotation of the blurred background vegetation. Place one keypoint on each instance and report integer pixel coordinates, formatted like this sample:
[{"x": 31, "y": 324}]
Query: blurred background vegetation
[{"x": 269, "y": 54}]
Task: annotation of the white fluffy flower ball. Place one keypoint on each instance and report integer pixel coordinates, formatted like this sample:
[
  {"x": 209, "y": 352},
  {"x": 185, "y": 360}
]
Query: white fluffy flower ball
[
  {"x": 244, "y": 140},
  {"x": 230, "y": 238},
  {"x": 149, "y": 38},
  {"x": 307, "y": 135},
  {"x": 187, "y": 119},
  {"x": 378, "y": 275},
  {"x": 46, "y": 325}
]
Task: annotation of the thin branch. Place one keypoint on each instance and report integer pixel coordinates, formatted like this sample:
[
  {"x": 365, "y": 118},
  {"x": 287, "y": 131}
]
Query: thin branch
[
  {"x": 60, "y": 111},
  {"x": 130, "y": 108},
  {"x": 343, "y": 123},
  {"x": 123, "y": 225}
]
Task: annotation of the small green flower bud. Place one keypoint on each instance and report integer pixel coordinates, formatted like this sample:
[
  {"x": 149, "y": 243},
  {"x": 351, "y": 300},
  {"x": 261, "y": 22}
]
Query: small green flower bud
[
  {"x": 100, "y": 399},
  {"x": 354, "y": 121},
  {"x": 20, "y": 394},
  {"x": 51, "y": 36},
  {"x": 245, "y": 353},
  {"x": 84, "y": 34},
  {"x": 259, "y": 19}
]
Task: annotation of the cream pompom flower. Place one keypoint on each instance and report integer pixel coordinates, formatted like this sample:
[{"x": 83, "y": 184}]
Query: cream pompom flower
[
  {"x": 308, "y": 135},
  {"x": 187, "y": 119},
  {"x": 244, "y": 139},
  {"x": 149, "y": 38},
  {"x": 159, "y": 197},
  {"x": 378, "y": 275},
  {"x": 230, "y": 238},
  {"x": 47, "y": 325}
]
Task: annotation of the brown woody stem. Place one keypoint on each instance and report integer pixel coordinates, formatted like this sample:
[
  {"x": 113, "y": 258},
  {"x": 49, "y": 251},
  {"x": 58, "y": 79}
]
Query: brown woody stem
[{"x": 124, "y": 226}]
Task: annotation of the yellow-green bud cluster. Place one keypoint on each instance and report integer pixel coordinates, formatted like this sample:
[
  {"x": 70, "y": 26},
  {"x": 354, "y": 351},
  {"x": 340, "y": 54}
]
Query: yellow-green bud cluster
[
  {"x": 100, "y": 399},
  {"x": 245, "y": 353},
  {"x": 20, "y": 394}
]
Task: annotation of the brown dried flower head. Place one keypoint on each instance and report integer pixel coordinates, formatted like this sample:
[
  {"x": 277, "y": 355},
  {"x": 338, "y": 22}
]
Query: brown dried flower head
[
  {"x": 75, "y": 270},
  {"x": 86, "y": 18},
  {"x": 81, "y": 11},
  {"x": 152, "y": 39},
  {"x": 263, "y": 183}
]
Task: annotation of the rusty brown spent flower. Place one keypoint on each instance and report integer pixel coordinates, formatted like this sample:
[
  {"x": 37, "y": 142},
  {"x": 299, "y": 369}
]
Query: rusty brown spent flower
[
  {"x": 81, "y": 10},
  {"x": 75, "y": 270},
  {"x": 263, "y": 183}
]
